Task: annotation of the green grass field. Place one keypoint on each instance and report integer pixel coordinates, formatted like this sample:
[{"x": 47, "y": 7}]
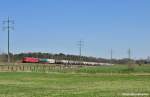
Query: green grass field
[{"x": 86, "y": 82}]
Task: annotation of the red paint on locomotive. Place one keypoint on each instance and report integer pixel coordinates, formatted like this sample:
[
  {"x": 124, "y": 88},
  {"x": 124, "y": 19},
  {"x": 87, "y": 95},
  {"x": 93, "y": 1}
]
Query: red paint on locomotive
[{"x": 30, "y": 60}]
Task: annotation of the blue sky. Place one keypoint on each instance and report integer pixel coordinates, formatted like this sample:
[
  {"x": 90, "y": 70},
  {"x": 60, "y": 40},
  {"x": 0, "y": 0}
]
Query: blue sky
[{"x": 55, "y": 26}]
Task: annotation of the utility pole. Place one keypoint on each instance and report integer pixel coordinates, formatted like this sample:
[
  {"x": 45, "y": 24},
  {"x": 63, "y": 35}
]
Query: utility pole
[
  {"x": 80, "y": 44},
  {"x": 8, "y": 26},
  {"x": 130, "y": 65},
  {"x": 111, "y": 55},
  {"x": 129, "y": 54}
]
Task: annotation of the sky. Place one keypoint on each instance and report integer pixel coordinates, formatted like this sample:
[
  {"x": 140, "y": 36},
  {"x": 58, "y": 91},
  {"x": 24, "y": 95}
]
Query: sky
[{"x": 56, "y": 26}]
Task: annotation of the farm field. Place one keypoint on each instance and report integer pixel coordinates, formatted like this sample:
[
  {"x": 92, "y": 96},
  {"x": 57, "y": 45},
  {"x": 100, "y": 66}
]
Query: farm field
[{"x": 85, "y": 82}]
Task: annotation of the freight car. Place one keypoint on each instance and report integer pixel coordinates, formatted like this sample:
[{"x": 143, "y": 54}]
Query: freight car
[
  {"x": 47, "y": 61},
  {"x": 66, "y": 62}
]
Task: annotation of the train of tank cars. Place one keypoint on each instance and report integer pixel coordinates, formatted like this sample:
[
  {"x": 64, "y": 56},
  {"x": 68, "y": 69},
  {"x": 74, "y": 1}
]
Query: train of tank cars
[{"x": 66, "y": 62}]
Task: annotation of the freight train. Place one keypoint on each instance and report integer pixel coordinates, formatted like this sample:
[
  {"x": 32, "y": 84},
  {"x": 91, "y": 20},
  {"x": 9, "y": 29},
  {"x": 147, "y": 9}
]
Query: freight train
[{"x": 67, "y": 62}]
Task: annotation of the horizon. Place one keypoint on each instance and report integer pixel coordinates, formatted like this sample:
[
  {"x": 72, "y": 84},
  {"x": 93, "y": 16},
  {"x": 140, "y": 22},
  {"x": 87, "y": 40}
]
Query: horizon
[{"x": 56, "y": 27}]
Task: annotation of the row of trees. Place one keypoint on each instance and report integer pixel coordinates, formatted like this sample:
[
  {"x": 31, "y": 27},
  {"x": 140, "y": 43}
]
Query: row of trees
[{"x": 61, "y": 56}]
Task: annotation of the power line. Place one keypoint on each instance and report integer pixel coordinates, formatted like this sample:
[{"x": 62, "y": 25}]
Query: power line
[{"x": 8, "y": 26}]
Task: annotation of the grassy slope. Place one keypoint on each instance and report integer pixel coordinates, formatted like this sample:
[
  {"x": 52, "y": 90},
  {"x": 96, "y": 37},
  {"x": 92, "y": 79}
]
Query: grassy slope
[{"x": 71, "y": 84}]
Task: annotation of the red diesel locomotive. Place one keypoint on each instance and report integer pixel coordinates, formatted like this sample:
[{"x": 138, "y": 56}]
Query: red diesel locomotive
[{"x": 30, "y": 60}]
